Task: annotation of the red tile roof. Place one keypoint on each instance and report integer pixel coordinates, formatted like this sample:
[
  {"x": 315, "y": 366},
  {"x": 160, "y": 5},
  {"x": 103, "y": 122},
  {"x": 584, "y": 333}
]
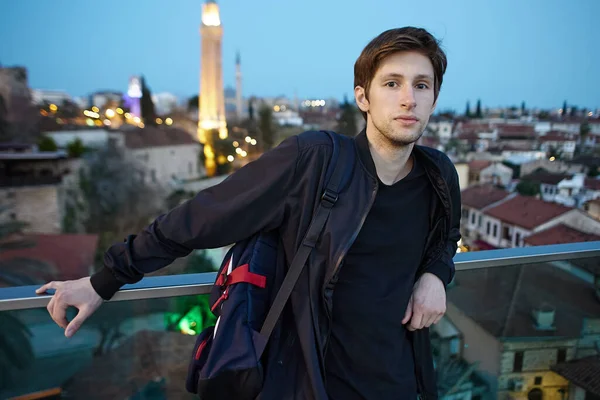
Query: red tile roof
[
  {"x": 70, "y": 255},
  {"x": 545, "y": 177},
  {"x": 478, "y": 165},
  {"x": 151, "y": 136},
  {"x": 560, "y": 234},
  {"x": 592, "y": 183},
  {"x": 511, "y": 130},
  {"x": 527, "y": 212},
  {"x": 481, "y": 196},
  {"x": 584, "y": 373},
  {"x": 558, "y": 136}
]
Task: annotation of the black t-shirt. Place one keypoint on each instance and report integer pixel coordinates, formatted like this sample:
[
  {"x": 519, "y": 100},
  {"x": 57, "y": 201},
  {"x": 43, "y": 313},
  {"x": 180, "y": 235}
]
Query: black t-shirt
[{"x": 369, "y": 355}]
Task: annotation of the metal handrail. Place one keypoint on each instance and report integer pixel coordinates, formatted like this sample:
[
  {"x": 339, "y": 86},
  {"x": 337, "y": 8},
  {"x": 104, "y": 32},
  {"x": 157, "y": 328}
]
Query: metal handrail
[{"x": 24, "y": 297}]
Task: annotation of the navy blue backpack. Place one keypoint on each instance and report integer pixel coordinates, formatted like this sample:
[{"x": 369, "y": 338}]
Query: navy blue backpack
[{"x": 226, "y": 361}]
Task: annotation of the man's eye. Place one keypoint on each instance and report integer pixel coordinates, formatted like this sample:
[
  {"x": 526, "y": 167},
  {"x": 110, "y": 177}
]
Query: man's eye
[
  {"x": 391, "y": 84},
  {"x": 422, "y": 86}
]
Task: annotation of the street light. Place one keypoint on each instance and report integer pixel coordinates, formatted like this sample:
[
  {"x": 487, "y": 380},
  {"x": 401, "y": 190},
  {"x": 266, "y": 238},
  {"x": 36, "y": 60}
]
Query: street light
[
  {"x": 248, "y": 139},
  {"x": 169, "y": 121},
  {"x": 110, "y": 113}
]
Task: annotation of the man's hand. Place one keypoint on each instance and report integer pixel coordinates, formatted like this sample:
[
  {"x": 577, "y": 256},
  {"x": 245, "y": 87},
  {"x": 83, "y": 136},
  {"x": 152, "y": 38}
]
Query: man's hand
[
  {"x": 427, "y": 304},
  {"x": 79, "y": 294}
]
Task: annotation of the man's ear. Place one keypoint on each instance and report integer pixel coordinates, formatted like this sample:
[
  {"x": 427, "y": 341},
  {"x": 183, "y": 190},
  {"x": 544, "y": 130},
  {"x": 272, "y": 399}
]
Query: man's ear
[{"x": 361, "y": 99}]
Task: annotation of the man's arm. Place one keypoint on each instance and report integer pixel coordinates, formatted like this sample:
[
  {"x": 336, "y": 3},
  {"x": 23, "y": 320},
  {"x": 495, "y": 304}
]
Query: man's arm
[
  {"x": 248, "y": 201},
  {"x": 443, "y": 268},
  {"x": 427, "y": 304}
]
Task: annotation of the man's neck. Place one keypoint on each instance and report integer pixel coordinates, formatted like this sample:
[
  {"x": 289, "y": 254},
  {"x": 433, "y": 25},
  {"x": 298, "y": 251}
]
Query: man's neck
[{"x": 393, "y": 163}]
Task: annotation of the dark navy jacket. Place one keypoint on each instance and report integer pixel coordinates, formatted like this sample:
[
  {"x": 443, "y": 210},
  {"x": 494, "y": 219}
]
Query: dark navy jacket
[{"x": 280, "y": 191}]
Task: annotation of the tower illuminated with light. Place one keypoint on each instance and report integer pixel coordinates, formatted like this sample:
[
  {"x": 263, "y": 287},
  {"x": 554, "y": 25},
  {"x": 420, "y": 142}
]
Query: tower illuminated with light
[{"x": 212, "y": 101}]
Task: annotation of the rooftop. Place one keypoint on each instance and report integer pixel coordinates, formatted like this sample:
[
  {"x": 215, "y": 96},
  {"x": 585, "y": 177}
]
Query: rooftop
[
  {"x": 545, "y": 177},
  {"x": 584, "y": 373},
  {"x": 560, "y": 234},
  {"x": 527, "y": 212},
  {"x": 481, "y": 196},
  {"x": 501, "y": 300},
  {"x": 150, "y": 136},
  {"x": 478, "y": 165},
  {"x": 71, "y": 256}
]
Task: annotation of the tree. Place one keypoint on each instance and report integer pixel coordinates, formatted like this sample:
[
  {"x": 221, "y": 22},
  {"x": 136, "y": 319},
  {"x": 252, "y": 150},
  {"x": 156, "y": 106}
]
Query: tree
[
  {"x": 113, "y": 199},
  {"x": 593, "y": 172},
  {"x": 468, "y": 110},
  {"x": 147, "y": 105},
  {"x": 523, "y": 109},
  {"x": 555, "y": 152},
  {"x": 584, "y": 131},
  {"x": 193, "y": 103},
  {"x": 266, "y": 127},
  {"x": 478, "y": 113},
  {"x": 251, "y": 109},
  {"x": 46, "y": 143},
  {"x": 75, "y": 149},
  {"x": 347, "y": 120},
  {"x": 573, "y": 112},
  {"x": 528, "y": 188},
  {"x": 564, "y": 109}
]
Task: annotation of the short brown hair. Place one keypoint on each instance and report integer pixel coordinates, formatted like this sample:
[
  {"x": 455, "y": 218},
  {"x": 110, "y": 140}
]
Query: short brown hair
[{"x": 392, "y": 41}]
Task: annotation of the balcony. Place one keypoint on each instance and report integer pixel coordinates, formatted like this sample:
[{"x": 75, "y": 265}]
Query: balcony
[{"x": 507, "y": 309}]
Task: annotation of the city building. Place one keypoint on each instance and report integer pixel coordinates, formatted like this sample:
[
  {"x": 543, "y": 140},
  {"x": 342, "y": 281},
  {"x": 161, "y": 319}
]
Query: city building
[
  {"x": 548, "y": 182},
  {"x": 164, "y": 103},
  {"x": 58, "y": 97},
  {"x": 476, "y": 199},
  {"x": 496, "y": 174},
  {"x": 577, "y": 190},
  {"x": 238, "y": 87},
  {"x": 520, "y": 323},
  {"x": 169, "y": 156},
  {"x": 32, "y": 187},
  {"x": 508, "y": 223},
  {"x": 561, "y": 143}
]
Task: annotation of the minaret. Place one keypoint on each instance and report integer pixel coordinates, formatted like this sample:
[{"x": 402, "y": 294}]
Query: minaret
[
  {"x": 238, "y": 86},
  {"x": 212, "y": 102}
]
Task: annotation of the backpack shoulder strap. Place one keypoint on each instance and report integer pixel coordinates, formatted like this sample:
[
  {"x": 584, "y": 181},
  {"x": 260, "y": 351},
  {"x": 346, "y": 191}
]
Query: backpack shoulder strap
[{"x": 339, "y": 172}]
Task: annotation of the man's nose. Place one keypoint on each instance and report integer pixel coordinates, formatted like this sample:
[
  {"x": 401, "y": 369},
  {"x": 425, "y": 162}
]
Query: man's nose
[{"x": 408, "y": 98}]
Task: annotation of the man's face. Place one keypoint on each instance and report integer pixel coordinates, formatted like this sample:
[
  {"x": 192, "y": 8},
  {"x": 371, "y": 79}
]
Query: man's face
[{"x": 400, "y": 99}]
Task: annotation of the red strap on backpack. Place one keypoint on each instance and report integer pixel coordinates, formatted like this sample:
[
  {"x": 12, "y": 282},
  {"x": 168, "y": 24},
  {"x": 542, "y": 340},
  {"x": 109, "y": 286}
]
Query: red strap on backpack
[{"x": 239, "y": 275}]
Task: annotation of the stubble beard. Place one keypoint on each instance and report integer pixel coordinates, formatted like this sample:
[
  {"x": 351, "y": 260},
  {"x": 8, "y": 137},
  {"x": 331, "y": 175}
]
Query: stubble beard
[{"x": 399, "y": 139}]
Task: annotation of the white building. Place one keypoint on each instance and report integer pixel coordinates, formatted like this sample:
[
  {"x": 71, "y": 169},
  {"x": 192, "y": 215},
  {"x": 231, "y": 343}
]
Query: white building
[
  {"x": 564, "y": 143},
  {"x": 578, "y": 190},
  {"x": 169, "y": 156},
  {"x": 164, "y": 103},
  {"x": 57, "y": 97},
  {"x": 496, "y": 174},
  {"x": 90, "y": 137},
  {"x": 287, "y": 117},
  {"x": 507, "y": 224}
]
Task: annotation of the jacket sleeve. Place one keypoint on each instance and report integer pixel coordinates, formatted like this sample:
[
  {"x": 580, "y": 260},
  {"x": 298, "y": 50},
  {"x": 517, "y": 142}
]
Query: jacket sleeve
[
  {"x": 248, "y": 201},
  {"x": 443, "y": 268}
]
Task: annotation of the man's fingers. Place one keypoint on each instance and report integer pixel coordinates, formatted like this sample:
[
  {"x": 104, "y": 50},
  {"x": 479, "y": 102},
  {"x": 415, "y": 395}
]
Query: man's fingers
[
  {"x": 49, "y": 285},
  {"x": 416, "y": 321},
  {"x": 59, "y": 314},
  {"x": 430, "y": 320},
  {"x": 76, "y": 323},
  {"x": 408, "y": 312}
]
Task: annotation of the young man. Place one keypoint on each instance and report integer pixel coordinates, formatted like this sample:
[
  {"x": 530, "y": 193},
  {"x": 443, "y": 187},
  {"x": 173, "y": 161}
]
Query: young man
[{"x": 358, "y": 317}]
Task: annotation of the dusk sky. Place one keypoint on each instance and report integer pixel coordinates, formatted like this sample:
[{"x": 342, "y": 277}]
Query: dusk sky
[{"x": 542, "y": 52}]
